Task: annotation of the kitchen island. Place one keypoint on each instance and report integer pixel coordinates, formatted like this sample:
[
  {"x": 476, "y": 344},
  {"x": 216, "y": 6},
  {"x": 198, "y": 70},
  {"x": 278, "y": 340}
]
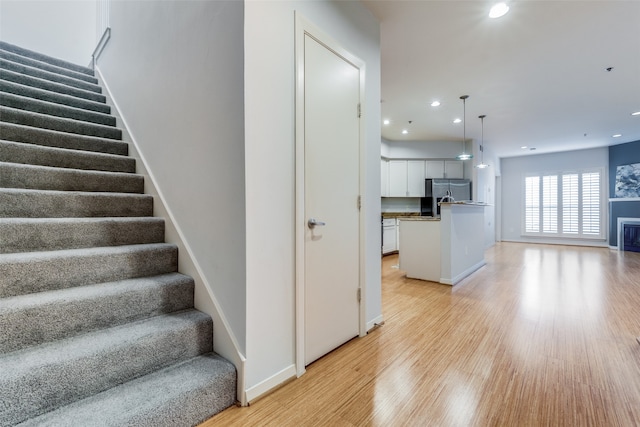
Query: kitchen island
[{"x": 445, "y": 250}]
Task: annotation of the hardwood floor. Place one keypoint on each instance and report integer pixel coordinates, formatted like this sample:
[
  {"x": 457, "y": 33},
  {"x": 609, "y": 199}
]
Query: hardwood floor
[{"x": 540, "y": 336}]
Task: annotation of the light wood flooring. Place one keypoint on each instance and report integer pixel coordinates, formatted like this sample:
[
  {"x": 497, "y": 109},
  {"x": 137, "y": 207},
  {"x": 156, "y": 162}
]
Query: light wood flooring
[{"x": 540, "y": 336}]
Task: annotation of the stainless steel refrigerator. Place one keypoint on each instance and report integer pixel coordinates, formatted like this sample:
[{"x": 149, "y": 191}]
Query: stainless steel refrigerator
[{"x": 436, "y": 189}]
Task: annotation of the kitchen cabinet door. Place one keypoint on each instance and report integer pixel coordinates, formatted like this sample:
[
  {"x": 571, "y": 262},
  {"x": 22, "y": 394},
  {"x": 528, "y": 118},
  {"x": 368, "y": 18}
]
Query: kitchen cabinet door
[
  {"x": 397, "y": 178},
  {"x": 454, "y": 169},
  {"x": 415, "y": 178},
  {"x": 384, "y": 178},
  {"x": 389, "y": 239},
  {"x": 434, "y": 169}
]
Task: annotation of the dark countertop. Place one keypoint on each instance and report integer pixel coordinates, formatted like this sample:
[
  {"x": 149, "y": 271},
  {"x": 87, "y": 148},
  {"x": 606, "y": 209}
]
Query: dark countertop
[{"x": 399, "y": 214}]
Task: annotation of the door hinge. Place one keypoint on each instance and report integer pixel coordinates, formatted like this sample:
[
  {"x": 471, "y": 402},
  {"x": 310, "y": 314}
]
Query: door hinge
[
  {"x": 359, "y": 202},
  {"x": 359, "y": 110},
  {"x": 359, "y": 294}
]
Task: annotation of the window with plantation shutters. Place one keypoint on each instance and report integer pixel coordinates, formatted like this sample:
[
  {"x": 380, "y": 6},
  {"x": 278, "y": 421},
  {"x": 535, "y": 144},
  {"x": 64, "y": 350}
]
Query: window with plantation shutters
[{"x": 567, "y": 204}]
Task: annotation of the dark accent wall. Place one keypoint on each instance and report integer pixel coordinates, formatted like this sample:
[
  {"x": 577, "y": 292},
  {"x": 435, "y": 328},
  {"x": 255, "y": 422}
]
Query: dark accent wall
[{"x": 623, "y": 154}]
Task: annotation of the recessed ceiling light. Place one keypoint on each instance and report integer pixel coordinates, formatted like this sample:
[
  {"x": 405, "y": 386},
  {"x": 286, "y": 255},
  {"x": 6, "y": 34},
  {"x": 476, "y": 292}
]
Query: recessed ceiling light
[
  {"x": 498, "y": 10},
  {"x": 524, "y": 147},
  {"x": 636, "y": 113},
  {"x": 386, "y": 122},
  {"x": 457, "y": 120},
  {"x": 435, "y": 104},
  {"x": 404, "y": 131},
  {"x": 617, "y": 135}
]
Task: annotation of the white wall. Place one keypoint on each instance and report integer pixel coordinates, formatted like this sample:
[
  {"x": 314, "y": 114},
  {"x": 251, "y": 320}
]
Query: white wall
[
  {"x": 269, "y": 115},
  {"x": 514, "y": 170},
  {"x": 62, "y": 29},
  {"x": 175, "y": 70},
  {"x": 484, "y": 190}
]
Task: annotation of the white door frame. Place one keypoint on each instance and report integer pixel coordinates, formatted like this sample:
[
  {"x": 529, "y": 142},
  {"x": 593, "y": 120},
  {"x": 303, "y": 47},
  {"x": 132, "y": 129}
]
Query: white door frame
[{"x": 304, "y": 27}]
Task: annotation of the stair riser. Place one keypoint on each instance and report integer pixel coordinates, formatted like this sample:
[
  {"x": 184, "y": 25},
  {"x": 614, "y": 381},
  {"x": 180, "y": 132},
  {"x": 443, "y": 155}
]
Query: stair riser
[
  {"x": 50, "y": 86},
  {"x": 56, "y": 110},
  {"x": 35, "y": 319},
  {"x": 36, "y": 204},
  {"x": 15, "y": 152},
  {"x": 9, "y": 56},
  {"x": 26, "y": 118},
  {"x": 14, "y": 175},
  {"x": 50, "y": 138},
  {"x": 44, "y": 58},
  {"x": 56, "y": 98},
  {"x": 60, "y": 379},
  {"x": 46, "y": 271},
  {"x": 46, "y": 75},
  {"x": 31, "y": 235}
]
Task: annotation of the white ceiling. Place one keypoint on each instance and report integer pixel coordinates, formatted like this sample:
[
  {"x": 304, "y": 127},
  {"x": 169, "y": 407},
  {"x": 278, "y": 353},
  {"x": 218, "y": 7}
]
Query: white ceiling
[{"x": 538, "y": 73}]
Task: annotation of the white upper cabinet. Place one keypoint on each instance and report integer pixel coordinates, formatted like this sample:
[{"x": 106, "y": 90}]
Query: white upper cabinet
[
  {"x": 435, "y": 169},
  {"x": 415, "y": 178},
  {"x": 453, "y": 169},
  {"x": 398, "y": 178},
  {"x": 444, "y": 169},
  {"x": 405, "y": 178}
]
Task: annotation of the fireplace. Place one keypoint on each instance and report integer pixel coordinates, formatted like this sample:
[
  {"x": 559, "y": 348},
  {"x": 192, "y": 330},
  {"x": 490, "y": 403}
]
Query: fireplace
[{"x": 629, "y": 234}]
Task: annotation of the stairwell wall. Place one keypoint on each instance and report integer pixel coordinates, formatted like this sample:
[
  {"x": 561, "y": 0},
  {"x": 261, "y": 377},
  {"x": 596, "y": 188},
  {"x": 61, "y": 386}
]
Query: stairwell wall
[
  {"x": 64, "y": 29},
  {"x": 175, "y": 71},
  {"x": 270, "y": 173}
]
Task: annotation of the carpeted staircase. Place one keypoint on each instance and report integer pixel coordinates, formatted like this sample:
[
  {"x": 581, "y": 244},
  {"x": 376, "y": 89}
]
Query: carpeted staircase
[{"x": 97, "y": 327}]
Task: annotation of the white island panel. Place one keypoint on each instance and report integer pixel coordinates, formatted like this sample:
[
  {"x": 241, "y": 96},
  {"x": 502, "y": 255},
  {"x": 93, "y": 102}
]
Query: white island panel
[
  {"x": 462, "y": 241},
  {"x": 420, "y": 255}
]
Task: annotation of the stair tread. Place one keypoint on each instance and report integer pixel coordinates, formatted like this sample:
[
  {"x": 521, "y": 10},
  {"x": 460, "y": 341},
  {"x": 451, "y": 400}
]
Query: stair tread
[
  {"x": 23, "y": 153},
  {"x": 53, "y": 109},
  {"x": 24, "y": 258},
  {"x": 41, "y": 73},
  {"x": 74, "y": 368},
  {"x": 19, "y": 235},
  {"x": 71, "y": 220},
  {"x": 31, "y": 272},
  {"x": 22, "y": 362},
  {"x": 45, "y": 121},
  {"x": 53, "y": 138},
  {"x": 45, "y": 58},
  {"x": 32, "y": 319},
  {"x": 75, "y": 193},
  {"x": 29, "y": 203},
  {"x": 46, "y": 66},
  {"x": 18, "y": 175},
  {"x": 188, "y": 397},
  {"x": 54, "y": 97},
  {"x": 49, "y": 85}
]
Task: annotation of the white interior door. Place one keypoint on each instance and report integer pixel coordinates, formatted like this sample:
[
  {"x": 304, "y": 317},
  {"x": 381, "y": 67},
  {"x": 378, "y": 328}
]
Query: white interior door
[{"x": 332, "y": 171}]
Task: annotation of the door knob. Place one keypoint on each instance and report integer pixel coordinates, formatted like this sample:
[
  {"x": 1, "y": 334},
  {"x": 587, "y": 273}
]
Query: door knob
[{"x": 314, "y": 222}]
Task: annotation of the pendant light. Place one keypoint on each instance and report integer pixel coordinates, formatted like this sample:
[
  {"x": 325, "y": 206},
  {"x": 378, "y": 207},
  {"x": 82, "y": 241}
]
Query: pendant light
[
  {"x": 482, "y": 164},
  {"x": 464, "y": 155}
]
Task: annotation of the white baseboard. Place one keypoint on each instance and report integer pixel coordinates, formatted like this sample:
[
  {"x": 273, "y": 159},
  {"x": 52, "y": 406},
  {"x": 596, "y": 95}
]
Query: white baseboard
[
  {"x": 464, "y": 274},
  {"x": 270, "y": 383},
  {"x": 372, "y": 323}
]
